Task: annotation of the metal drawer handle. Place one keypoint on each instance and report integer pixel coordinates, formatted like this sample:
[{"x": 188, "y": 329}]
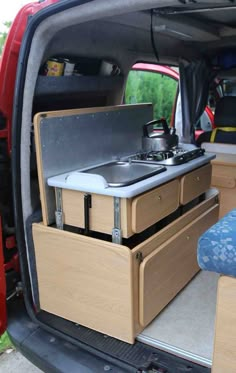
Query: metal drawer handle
[
  {"x": 198, "y": 178},
  {"x": 159, "y": 198},
  {"x": 187, "y": 238}
]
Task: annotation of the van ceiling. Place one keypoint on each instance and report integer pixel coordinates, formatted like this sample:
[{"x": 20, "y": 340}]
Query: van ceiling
[{"x": 184, "y": 31}]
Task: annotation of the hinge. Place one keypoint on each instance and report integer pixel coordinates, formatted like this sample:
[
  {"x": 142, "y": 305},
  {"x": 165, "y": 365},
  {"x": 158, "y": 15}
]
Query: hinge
[
  {"x": 59, "y": 212},
  {"x": 139, "y": 256}
]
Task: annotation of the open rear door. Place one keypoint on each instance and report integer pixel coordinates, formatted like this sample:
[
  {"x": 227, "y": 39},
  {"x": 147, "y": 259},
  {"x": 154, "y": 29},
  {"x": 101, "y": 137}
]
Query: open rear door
[{"x": 3, "y": 312}]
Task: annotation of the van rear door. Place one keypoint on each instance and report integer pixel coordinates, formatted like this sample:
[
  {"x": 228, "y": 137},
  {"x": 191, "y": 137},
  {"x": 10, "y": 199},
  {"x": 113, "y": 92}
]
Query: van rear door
[{"x": 3, "y": 312}]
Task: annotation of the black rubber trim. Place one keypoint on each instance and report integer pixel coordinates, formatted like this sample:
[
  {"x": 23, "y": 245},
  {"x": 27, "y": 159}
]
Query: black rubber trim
[{"x": 49, "y": 353}]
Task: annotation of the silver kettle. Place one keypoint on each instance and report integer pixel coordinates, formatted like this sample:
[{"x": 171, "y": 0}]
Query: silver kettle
[{"x": 156, "y": 141}]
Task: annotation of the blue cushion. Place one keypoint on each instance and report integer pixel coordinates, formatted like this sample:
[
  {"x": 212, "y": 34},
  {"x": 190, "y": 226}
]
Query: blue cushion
[{"x": 217, "y": 246}]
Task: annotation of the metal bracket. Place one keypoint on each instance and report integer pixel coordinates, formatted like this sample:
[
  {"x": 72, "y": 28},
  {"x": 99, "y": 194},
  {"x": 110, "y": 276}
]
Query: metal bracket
[
  {"x": 59, "y": 212},
  {"x": 116, "y": 231},
  {"x": 87, "y": 206}
]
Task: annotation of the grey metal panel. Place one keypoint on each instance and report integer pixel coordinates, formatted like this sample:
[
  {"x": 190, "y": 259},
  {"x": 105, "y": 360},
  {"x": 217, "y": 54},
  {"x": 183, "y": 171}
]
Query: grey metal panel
[{"x": 77, "y": 141}]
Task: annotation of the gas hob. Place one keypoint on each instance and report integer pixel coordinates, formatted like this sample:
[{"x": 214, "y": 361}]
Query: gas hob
[{"x": 173, "y": 157}]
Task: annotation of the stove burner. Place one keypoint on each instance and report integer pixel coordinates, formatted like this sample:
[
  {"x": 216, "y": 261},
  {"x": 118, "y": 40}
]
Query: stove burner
[
  {"x": 172, "y": 157},
  {"x": 160, "y": 156}
]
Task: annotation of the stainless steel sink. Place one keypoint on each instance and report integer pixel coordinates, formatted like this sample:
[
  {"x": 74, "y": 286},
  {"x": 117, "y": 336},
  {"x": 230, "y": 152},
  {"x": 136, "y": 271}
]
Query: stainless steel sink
[{"x": 119, "y": 174}]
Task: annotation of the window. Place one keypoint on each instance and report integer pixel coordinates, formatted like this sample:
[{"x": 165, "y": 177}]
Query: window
[{"x": 155, "y": 87}]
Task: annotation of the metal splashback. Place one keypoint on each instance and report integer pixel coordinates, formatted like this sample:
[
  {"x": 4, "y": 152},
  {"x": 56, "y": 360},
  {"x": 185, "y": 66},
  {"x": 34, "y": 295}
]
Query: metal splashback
[{"x": 78, "y": 141}]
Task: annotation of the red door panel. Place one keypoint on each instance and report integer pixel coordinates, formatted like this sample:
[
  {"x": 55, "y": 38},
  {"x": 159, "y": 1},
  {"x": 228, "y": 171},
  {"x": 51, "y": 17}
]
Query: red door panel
[{"x": 3, "y": 312}]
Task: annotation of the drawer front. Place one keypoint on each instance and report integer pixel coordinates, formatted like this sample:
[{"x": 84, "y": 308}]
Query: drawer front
[
  {"x": 101, "y": 213},
  {"x": 153, "y": 206},
  {"x": 195, "y": 183},
  {"x": 170, "y": 267}
]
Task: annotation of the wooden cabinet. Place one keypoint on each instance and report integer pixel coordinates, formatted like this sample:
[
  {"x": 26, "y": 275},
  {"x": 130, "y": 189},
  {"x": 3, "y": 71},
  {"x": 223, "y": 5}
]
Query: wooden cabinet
[
  {"x": 195, "y": 183},
  {"x": 153, "y": 206},
  {"x": 137, "y": 214},
  {"x": 224, "y": 179},
  {"x": 170, "y": 267},
  {"x": 114, "y": 289}
]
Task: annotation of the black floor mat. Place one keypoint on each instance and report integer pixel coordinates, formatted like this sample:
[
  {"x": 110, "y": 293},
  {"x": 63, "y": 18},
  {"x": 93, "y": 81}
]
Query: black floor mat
[{"x": 144, "y": 358}]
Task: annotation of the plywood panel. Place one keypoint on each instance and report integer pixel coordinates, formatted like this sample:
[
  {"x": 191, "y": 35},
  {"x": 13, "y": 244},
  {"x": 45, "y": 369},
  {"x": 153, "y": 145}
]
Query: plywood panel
[
  {"x": 224, "y": 358},
  {"x": 85, "y": 280},
  {"x": 155, "y": 205},
  {"x": 224, "y": 178},
  {"x": 161, "y": 237},
  {"x": 101, "y": 214},
  {"x": 195, "y": 183},
  {"x": 171, "y": 266}
]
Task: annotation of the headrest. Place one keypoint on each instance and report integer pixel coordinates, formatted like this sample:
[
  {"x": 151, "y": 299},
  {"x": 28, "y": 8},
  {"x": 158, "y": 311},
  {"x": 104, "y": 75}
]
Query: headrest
[{"x": 225, "y": 113}]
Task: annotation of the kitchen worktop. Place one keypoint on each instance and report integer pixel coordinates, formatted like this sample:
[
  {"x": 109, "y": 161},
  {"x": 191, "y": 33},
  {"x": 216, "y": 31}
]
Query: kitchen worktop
[{"x": 91, "y": 183}]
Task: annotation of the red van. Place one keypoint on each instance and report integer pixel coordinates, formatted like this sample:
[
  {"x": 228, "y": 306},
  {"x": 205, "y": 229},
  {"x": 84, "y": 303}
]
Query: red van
[{"x": 92, "y": 281}]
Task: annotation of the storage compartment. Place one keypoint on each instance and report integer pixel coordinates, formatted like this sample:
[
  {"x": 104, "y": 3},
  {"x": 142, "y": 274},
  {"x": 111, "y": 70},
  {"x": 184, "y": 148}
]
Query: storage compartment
[
  {"x": 167, "y": 269},
  {"x": 195, "y": 183},
  {"x": 137, "y": 214},
  {"x": 111, "y": 288},
  {"x": 224, "y": 178},
  {"x": 85, "y": 280},
  {"x": 101, "y": 213},
  {"x": 153, "y": 206}
]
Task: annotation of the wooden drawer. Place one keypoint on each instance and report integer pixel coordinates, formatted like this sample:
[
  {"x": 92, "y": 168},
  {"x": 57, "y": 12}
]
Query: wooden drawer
[
  {"x": 153, "y": 206},
  {"x": 117, "y": 295},
  {"x": 101, "y": 214},
  {"x": 170, "y": 267},
  {"x": 136, "y": 214},
  {"x": 195, "y": 183}
]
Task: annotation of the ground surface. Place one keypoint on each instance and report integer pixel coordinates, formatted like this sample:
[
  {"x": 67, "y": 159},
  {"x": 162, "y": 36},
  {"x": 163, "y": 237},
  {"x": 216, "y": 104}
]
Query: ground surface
[{"x": 13, "y": 362}]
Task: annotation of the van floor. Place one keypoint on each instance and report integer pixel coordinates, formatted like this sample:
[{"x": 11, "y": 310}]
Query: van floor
[{"x": 186, "y": 326}]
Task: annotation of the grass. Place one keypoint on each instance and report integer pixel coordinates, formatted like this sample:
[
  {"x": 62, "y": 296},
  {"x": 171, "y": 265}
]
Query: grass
[{"x": 5, "y": 342}]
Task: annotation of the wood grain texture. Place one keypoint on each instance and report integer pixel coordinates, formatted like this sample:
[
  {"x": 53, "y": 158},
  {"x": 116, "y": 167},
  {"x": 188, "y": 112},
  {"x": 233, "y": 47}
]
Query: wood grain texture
[
  {"x": 40, "y": 169},
  {"x": 151, "y": 244},
  {"x": 85, "y": 280},
  {"x": 224, "y": 357},
  {"x": 195, "y": 183},
  {"x": 148, "y": 208},
  {"x": 224, "y": 178},
  {"x": 101, "y": 214},
  {"x": 225, "y": 159},
  {"x": 170, "y": 267},
  {"x": 223, "y": 181}
]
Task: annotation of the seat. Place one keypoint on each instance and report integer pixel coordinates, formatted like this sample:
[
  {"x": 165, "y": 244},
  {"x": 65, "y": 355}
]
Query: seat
[
  {"x": 225, "y": 123},
  {"x": 217, "y": 253}
]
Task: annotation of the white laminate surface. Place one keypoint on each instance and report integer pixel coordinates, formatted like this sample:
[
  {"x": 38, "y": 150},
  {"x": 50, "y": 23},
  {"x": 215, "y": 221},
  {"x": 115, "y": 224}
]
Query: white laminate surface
[{"x": 85, "y": 182}]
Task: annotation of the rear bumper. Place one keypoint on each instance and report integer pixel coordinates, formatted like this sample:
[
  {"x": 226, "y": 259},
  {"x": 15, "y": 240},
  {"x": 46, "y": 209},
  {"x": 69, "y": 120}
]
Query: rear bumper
[{"x": 50, "y": 353}]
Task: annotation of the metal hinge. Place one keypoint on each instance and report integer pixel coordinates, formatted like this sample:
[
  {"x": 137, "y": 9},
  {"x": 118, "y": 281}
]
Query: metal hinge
[
  {"x": 59, "y": 212},
  {"x": 139, "y": 256}
]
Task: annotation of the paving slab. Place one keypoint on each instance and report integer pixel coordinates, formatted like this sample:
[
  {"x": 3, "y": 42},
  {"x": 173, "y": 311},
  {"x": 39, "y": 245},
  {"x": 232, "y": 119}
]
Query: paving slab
[{"x": 12, "y": 361}]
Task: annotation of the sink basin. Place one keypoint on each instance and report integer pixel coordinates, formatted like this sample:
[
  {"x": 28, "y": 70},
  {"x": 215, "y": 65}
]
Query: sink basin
[{"x": 119, "y": 174}]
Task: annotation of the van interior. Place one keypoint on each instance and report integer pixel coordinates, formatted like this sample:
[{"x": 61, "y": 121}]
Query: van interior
[{"x": 199, "y": 37}]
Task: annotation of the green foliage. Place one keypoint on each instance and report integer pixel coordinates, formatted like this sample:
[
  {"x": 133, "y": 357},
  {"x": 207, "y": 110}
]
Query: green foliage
[
  {"x": 3, "y": 35},
  {"x": 5, "y": 342},
  {"x": 145, "y": 86}
]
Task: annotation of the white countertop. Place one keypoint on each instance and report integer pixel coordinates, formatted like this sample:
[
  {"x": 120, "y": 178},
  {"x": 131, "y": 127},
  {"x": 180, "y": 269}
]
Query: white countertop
[{"x": 91, "y": 183}]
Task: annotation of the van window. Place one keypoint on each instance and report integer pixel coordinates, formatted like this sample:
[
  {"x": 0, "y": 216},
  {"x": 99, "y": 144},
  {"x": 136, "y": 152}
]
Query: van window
[{"x": 155, "y": 87}]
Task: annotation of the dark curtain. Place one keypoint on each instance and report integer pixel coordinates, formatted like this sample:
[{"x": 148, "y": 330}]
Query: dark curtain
[{"x": 195, "y": 78}]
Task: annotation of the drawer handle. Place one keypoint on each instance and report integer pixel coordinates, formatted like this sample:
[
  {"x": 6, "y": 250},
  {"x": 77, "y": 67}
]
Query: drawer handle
[
  {"x": 198, "y": 178},
  {"x": 187, "y": 238},
  {"x": 159, "y": 198}
]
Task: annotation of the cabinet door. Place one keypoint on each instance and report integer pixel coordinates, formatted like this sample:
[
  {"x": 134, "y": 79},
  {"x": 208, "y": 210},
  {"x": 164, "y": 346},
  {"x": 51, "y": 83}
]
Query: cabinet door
[
  {"x": 171, "y": 266},
  {"x": 195, "y": 183},
  {"x": 148, "y": 208}
]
